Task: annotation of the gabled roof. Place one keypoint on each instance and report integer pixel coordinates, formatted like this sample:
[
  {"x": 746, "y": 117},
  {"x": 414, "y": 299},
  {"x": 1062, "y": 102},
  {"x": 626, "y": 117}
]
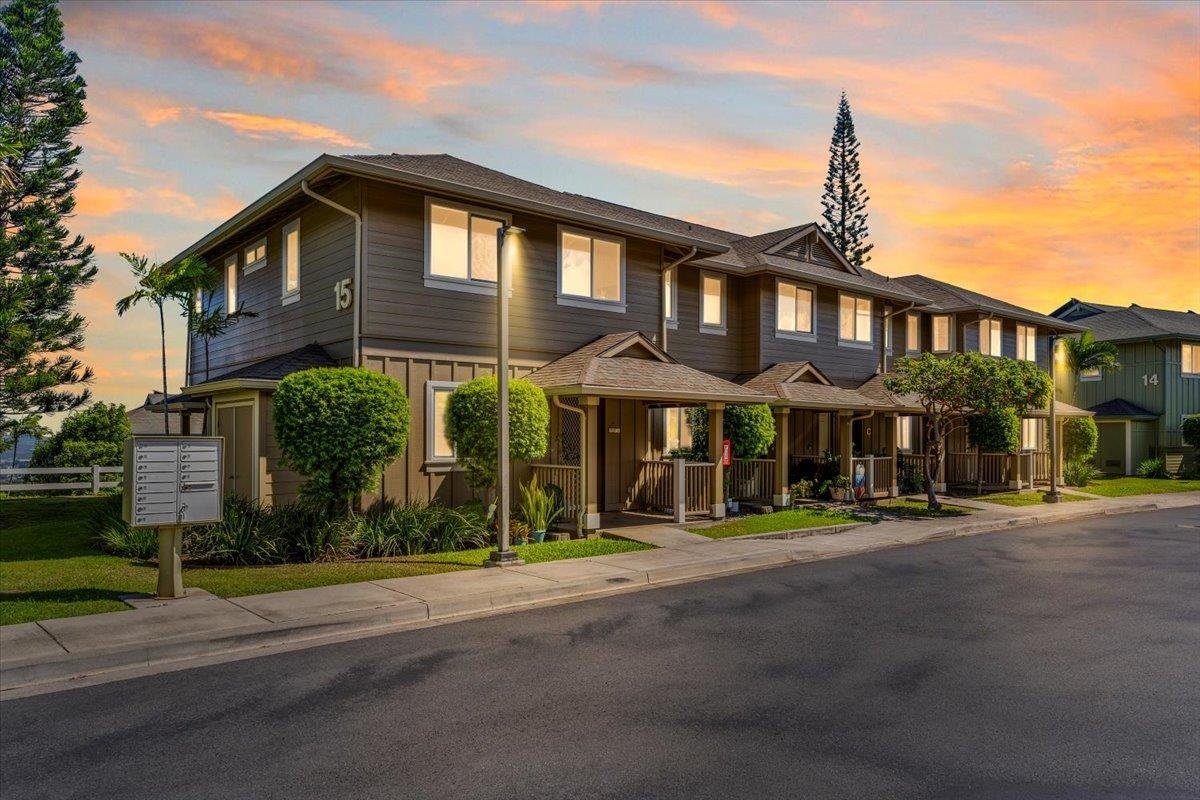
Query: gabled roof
[
  {"x": 1075, "y": 309},
  {"x": 876, "y": 389},
  {"x": 801, "y": 383},
  {"x": 1139, "y": 323},
  {"x": 1121, "y": 408},
  {"x": 949, "y": 298},
  {"x": 630, "y": 365},
  {"x": 278, "y": 367}
]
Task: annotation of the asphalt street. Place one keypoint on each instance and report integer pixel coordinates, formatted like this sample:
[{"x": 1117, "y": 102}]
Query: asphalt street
[{"x": 1052, "y": 662}]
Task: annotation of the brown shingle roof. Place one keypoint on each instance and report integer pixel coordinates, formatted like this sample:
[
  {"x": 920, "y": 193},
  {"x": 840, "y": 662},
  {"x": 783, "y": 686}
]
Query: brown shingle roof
[
  {"x": 950, "y": 298},
  {"x": 783, "y": 381}
]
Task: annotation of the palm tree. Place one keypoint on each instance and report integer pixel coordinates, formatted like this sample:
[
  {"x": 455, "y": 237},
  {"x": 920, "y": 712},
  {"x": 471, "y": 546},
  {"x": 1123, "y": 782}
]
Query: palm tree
[
  {"x": 159, "y": 284},
  {"x": 1085, "y": 354},
  {"x": 209, "y": 323}
]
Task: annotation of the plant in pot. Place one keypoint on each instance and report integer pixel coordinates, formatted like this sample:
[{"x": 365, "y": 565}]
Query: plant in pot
[
  {"x": 842, "y": 488},
  {"x": 519, "y": 530},
  {"x": 538, "y": 508}
]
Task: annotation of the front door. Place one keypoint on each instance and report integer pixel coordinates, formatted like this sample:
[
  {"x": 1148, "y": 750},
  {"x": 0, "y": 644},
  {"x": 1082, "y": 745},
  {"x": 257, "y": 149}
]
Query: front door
[
  {"x": 1110, "y": 455},
  {"x": 624, "y": 435},
  {"x": 236, "y": 424}
]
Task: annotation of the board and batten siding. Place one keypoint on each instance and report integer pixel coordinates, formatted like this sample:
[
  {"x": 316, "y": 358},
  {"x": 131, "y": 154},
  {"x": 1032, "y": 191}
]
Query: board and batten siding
[
  {"x": 277, "y": 484},
  {"x": 326, "y": 257}
]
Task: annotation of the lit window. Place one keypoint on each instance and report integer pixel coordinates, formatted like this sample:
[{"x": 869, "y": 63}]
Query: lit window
[
  {"x": 941, "y": 334},
  {"x": 904, "y": 433},
  {"x": 1027, "y": 343},
  {"x": 912, "y": 333},
  {"x": 794, "y": 308},
  {"x": 197, "y": 301},
  {"x": 1090, "y": 374},
  {"x": 676, "y": 432},
  {"x": 254, "y": 257},
  {"x": 854, "y": 320},
  {"x": 712, "y": 300},
  {"x": 463, "y": 245},
  {"x": 887, "y": 328},
  {"x": 231, "y": 285},
  {"x": 591, "y": 267},
  {"x": 989, "y": 337},
  {"x": 291, "y": 260},
  {"x": 1191, "y": 359},
  {"x": 668, "y": 290},
  {"x": 437, "y": 442},
  {"x": 1030, "y": 434}
]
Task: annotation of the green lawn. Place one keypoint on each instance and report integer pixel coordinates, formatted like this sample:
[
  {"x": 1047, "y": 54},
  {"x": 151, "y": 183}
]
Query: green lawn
[
  {"x": 1025, "y": 498},
  {"x": 49, "y": 568},
  {"x": 790, "y": 520},
  {"x": 1124, "y": 487},
  {"x": 918, "y": 508}
]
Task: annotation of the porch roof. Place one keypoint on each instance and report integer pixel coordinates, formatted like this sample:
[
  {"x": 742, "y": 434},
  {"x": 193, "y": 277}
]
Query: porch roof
[
  {"x": 801, "y": 383},
  {"x": 1061, "y": 409},
  {"x": 630, "y": 365}
]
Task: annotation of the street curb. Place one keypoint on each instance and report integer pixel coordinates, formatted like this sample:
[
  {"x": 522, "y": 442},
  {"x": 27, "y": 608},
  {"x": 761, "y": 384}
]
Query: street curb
[{"x": 37, "y": 676}]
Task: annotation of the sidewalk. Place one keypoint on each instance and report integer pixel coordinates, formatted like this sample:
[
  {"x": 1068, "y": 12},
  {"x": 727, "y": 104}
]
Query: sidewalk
[{"x": 201, "y": 628}]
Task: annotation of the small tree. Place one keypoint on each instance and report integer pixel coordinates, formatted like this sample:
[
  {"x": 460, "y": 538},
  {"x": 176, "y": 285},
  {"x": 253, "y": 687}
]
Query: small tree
[
  {"x": 996, "y": 431},
  {"x": 951, "y": 390},
  {"x": 339, "y": 427},
  {"x": 12, "y": 430},
  {"x": 750, "y": 430},
  {"x": 92, "y": 435},
  {"x": 1190, "y": 430},
  {"x": 210, "y": 323},
  {"x": 1080, "y": 439},
  {"x": 473, "y": 426},
  {"x": 1085, "y": 353}
]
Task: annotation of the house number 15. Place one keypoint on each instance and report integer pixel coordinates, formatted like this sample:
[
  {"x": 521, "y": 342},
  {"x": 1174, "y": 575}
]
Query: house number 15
[
  {"x": 1150, "y": 380},
  {"x": 342, "y": 297}
]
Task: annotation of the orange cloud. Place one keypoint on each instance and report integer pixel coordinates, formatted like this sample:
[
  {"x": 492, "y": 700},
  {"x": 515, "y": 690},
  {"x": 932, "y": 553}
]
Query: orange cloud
[
  {"x": 542, "y": 11},
  {"x": 258, "y": 126},
  {"x": 94, "y": 199}
]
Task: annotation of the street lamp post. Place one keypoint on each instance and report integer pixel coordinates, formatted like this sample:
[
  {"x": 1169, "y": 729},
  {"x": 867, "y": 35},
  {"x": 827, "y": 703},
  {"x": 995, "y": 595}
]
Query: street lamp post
[
  {"x": 1053, "y": 496},
  {"x": 503, "y": 555}
]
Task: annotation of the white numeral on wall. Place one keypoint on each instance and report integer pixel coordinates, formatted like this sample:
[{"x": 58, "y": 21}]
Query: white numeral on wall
[{"x": 342, "y": 296}]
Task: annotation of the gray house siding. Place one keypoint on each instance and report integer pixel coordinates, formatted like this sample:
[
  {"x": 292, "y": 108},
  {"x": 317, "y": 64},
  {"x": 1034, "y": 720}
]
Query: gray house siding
[
  {"x": 843, "y": 364},
  {"x": 724, "y": 355}
]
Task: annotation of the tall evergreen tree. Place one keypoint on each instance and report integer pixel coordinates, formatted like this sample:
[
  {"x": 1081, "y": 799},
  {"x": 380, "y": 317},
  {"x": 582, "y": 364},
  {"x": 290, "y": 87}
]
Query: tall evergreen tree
[
  {"x": 845, "y": 200},
  {"x": 41, "y": 104}
]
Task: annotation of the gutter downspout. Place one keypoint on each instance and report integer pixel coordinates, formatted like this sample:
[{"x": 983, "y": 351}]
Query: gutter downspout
[
  {"x": 662, "y": 325},
  {"x": 355, "y": 348},
  {"x": 583, "y": 457},
  {"x": 887, "y": 319}
]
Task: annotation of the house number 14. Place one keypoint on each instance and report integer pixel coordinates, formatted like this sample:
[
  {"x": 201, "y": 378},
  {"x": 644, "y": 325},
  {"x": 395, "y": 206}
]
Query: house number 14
[
  {"x": 1150, "y": 380},
  {"x": 342, "y": 296}
]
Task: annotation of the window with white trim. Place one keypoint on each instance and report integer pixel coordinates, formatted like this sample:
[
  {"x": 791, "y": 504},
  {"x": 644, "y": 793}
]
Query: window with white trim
[
  {"x": 231, "y": 284},
  {"x": 463, "y": 243},
  {"x": 854, "y": 318},
  {"x": 676, "y": 431},
  {"x": 712, "y": 301},
  {"x": 670, "y": 294},
  {"x": 254, "y": 257},
  {"x": 1190, "y": 359},
  {"x": 941, "y": 333},
  {"x": 591, "y": 268},
  {"x": 990, "y": 340},
  {"x": 904, "y": 433},
  {"x": 888, "y": 322},
  {"x": 291, "y": 261},
  {"x": 794, "y": 307},
  {"x": 437, "y": 443},
  {"x": 912, "y": 333},
  {"x": 1090, "y": 374},
  {"x": 1030, "y": 433},
  {"x": 1026, "y": 342}
]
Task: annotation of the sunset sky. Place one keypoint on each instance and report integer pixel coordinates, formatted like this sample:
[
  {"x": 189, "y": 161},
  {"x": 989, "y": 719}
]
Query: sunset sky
[{"x": 1030, "y": 151}]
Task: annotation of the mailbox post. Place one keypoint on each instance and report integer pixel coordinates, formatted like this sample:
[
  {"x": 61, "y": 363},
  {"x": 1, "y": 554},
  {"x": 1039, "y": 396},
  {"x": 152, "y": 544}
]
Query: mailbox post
[{"x": 172, "y": 482}]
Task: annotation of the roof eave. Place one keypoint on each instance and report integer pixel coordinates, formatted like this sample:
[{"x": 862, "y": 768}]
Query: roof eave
[{"x": 656, "y": 394}]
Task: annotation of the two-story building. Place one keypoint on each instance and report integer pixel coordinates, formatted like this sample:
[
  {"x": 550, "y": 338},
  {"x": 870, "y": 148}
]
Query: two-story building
[
  {"x": 624, "y": 317},
  {"x": 1140, "y": 407}
]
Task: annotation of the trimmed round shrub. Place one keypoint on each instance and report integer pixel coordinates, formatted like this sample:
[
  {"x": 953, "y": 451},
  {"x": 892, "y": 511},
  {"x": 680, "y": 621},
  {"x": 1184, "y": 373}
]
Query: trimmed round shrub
[
  {"x": 1190, "y": 430},
  {"x": 473, "y": 420},
  {"x": 750, "y": 429},
  {"x": 995, "y": 431},
  {"x": 1081, "y": 437},
  {"x": 339, "y": 427}
]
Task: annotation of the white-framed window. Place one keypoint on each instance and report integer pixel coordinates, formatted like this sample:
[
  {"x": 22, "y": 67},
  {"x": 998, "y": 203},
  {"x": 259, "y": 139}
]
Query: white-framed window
[
  {"x": 197, "y": 301},
  {"x": 676, "y": 432},
  {"x": 1026, "y": 342},
  {"x": 941, "y": 333},
  {"x": 990, "y": 339},
  {"x": 888, "y": 322},
  {"x": 462, "y": 246},
  {"x": 438, "y": 449},
  {"x": 1030, "y": 433},
  {"x": 1090, "y": 374},
  {"x": 1190, "y": 359},
  {"x": 231, "y": 284},
  {"x": 670, "y": 295},
  {"x": 904, "y": 433},
  {"x": 291, "y": 262},
  {"x": 712, "y": 302},
  {"x": 254, "y": 257},
  {"x": 795, "y": 309},
  {"x": 854, "y": 319},
  {"x": 591, "y": 270},
  {"x": 912, "y": 332}
]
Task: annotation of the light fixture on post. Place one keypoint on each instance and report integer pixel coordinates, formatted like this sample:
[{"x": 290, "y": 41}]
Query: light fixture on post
[
  {"x": 1053, "y": 496},
  {"x": 503, "y": 555}
]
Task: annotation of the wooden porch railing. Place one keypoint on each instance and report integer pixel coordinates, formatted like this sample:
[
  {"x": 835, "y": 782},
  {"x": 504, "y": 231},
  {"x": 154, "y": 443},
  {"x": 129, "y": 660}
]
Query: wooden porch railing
[
  {"x": 1041, "y": 466},
  {"x": 752, "y": 478},
  {"x": 566, "y": 477},
  {"x": 877, "y": 472},
  {"x": 655, "y": 488},
  {"x": 698, "y": 487},
  {"x": 992, "y": 470},
  {"x": 658, "y": 483}
]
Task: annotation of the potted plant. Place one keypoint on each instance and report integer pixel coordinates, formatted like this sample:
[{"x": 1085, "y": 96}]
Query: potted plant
[
  {"x": 842, "y": 488},
  {"x": 519, "y": 530},
  {"x": 538, "y": 508}
]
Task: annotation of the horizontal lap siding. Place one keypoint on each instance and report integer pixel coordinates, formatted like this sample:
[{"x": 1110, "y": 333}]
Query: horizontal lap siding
[
  {"x": 845, "y": 366},
  {"x": 724, "y": 355},
  {"x": 326, "y": 257}
]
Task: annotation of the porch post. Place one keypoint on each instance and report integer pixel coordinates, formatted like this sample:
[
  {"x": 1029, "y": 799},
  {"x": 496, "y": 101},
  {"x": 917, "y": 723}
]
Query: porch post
[
  {"x": 679, "y": 476},
  {"x": 893, "y": 429},
  {"x": 1014, "y": 472},
  {"x": 783, "y": 456},
  {"x": 589, "y": 460},
  {"x": 845, "y": 422},
  {"x": 716, "y": 427}
]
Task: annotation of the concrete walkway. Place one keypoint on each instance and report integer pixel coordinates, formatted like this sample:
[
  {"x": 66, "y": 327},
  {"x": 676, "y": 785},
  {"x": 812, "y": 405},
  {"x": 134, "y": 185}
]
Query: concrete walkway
[{"x": 201, "y": 628}]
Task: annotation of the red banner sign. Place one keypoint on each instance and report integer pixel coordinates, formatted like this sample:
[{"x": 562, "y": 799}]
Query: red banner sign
[{"x": 726, "y": 453}]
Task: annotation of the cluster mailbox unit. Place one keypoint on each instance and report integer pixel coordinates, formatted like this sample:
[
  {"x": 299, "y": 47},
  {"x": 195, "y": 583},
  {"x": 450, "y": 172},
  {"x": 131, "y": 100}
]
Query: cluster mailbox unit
[{"x": 171, "y": 482}]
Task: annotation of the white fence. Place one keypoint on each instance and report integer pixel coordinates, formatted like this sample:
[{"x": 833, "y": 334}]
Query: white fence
[{"x": 14, "y": 480}]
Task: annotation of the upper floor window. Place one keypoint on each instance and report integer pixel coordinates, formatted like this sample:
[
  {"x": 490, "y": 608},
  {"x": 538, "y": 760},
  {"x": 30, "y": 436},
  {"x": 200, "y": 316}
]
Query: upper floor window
[
  {"x": 1190, "y": 360},
  {"x": 912, "y": 333},
  {"x": 888, "y": 322},
  {"x": 793, "y": 308},
  {"x": 1090, "y": 374},
  {"x": 1027, "y": 342},
  {"x": 989, "y": 337},
  {"x": 712, "y": 301},
  {"x": 591, "y": 270},
  {"x": 941, "y": 333},
  {"x": 291, "y": 262},
  {"x": 254, "y": 257},
  {"x": 462, "y": 245},
  {"x": 231, "y": 284},
  {"x": 854, "y": 318},
  {"x": 437, "y": 442},
  {"x": 670, "y": 294}
]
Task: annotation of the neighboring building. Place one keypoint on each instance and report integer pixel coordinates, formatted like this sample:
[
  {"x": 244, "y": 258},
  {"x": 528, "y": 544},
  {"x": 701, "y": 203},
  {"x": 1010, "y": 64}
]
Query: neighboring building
[
  {"x": 624, "y": 317},
  {"x": 1140, "y": 407},
  {"x": 147, "y": 418}
]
